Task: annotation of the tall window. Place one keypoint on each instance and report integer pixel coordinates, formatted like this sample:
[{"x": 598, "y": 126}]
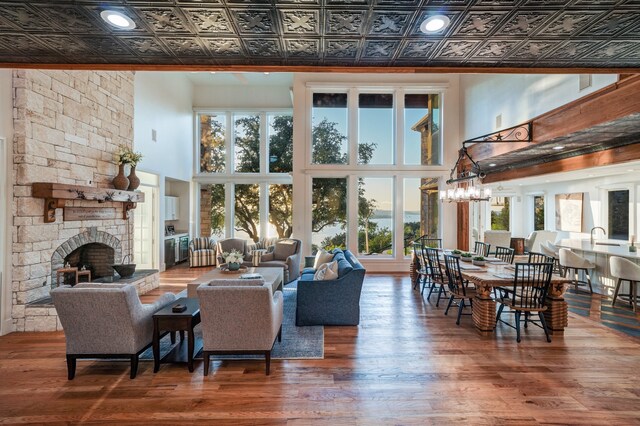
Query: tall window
[
  {"x": 329, "y": 213},
  {"x": 329, "y": 120},
  {"x": 375, "y": 216},
  {"x": 422, "y": 136},
  {"x": 212, "y": 131},
  {"x": 269, "y": 184},
  {"x": 500, "y": 213},
  {"x": 538, "y": 212},
  {"x": 619, "y": 215},
  {"x": 375, "y": 128}
]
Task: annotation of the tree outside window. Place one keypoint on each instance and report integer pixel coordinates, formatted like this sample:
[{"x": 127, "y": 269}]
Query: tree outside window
[
  {"x": 538, "y": 212},
  {"x": 500, "y": 211}
]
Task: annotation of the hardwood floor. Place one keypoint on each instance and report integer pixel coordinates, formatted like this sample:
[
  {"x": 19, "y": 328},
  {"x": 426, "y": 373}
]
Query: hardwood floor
[{"x": 405, "y": 364}]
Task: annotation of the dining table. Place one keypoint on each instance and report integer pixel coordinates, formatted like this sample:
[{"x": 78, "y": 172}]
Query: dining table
[{"x": 496, "y": 273}]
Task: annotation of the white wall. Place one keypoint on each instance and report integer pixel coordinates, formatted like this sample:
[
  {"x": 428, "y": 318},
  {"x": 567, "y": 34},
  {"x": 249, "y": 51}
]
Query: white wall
[
  {"x": 163, "y": 101},
  {"x": 518, "y": 97},
  {"x": 6, "y": 194},
  {"x": 242, "y": 96}
]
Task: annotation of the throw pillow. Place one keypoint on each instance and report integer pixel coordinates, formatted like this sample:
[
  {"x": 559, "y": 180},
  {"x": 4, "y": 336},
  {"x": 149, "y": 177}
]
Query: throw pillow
[
  {"x": 326, "y": 271},
  {"x": 322, "y": 256}
]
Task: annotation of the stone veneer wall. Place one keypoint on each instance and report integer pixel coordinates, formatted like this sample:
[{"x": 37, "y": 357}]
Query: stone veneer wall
[
  {"x": 67, "y": 126},
  {"x": 205, "y": 212}
]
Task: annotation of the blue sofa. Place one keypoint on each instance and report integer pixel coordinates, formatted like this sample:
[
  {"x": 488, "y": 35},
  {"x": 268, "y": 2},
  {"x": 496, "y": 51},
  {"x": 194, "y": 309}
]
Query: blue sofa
[{"x": 331, "y": 302}]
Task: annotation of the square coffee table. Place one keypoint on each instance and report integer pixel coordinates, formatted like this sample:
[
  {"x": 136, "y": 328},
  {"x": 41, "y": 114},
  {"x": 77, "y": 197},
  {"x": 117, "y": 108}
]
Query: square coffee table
[
  {"x": 167, "y": 320},
  {"x": 272, "y": 276}
]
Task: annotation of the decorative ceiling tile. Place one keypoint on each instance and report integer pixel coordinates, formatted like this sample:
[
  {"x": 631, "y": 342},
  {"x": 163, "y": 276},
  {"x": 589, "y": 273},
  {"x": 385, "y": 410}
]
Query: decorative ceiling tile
[
  {"x": 523, "y": 23},
  {"x": 183, "y": 46},
  {"x": 389, "y": 23},
  {"x": 224, "y": 46},
  {"x": 71, "y": 18},
  {"x": 379, "y": 48},
  {"x": 165, "y": 20},
  {"x": 253, "y": 21},
  {"x": 144, "y": 46},
  {"x": 24, "y": 44},
  {"x": 417, "y": 49},
  {"x": 299, "y": 2},
  {"x": 568, "y": 23},
  {"x": 68, "y": 45},
  {"x": 534, "y": 49},
  {"x": 348, "y": 2},
  {"x": 613, "y": 23},
  {"x": 344, "y": 22},
  {"x": 302, "y": 48},
  {"x": 209, "y": 20},
  {"x": 341, "y": 48},
  {"x": 300, "y": 22},
  {"x": 105, "y": 45},
  {"x": 495, "y": 49},
  {"x": 456, "y": 49},
  {"x": 401, "y": 3},
  {"x": 140, "y": 29},
  {"x": 612, "y": 49},
  {"x": 24, "y": 18},
  {"x": 479, "y": 23},
  {"x": 263, "y": 47},
  {"x": 571, "y": 50}
]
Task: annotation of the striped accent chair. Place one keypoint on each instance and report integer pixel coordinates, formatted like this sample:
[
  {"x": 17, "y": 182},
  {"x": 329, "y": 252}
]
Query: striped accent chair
[{"x": 202, "y": 252}]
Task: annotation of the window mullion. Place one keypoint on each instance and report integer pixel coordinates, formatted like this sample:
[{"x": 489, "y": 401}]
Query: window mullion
[
  {"x": 229, "y": 136},
  {"x": 352, "y": 126},
  {"x": 352, "y": 214},
  {"x": 229, "y": 202},
  {"x": 399, "y": 129},
  {"x": 264, "y": 146},
  {"x": 264, "y": 209}
]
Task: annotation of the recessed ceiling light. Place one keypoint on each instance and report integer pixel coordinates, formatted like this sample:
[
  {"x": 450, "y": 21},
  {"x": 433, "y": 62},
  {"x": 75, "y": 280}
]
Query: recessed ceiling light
[
  {"x": 117, "y": 19},
  {"x": 434, "y": 23},
  {"x": 266, "y": 73},
  {"x": 492, "y": 165},
  {"x": 558, "y": 147},
  {"x": 212, "y": 72}
]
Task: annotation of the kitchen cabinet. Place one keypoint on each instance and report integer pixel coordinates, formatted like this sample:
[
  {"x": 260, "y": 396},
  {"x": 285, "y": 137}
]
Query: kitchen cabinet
[{"x": 171, "y": 207}]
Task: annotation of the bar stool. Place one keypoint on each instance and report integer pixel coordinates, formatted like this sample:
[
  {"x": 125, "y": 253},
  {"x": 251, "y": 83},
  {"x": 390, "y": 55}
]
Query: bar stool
[
  {"x": 569, "y": 260},
  {"x": 625, "y": 270},
  {"x": 551, "y": 250}
]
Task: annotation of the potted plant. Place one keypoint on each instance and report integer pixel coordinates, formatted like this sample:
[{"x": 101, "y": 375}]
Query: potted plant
[
  {"x": 233, "y": 259},
  {"x": 456, "y": 253},
  {"x": 479, "y": 261},
  {"x": 466, "y": 257}
]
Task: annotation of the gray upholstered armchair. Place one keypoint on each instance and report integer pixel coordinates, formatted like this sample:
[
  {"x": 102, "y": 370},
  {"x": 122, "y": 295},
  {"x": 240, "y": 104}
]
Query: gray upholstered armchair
[
  {"x": 287, "y": 254},
  {"x": 105, "y": 321},
  {"x": 228, "y": 244},
  {"x": 239, "y": 316}
]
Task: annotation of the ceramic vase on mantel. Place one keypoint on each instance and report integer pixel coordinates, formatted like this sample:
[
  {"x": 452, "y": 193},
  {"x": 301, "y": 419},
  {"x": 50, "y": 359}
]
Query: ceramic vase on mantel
[
  {"x": 120, "y": 181},
  {"x": 134, "y": 180}
]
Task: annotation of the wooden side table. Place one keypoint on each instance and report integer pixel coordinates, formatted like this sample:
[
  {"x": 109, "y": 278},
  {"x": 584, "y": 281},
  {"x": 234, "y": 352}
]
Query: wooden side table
[
  {"x": 71, "y": 270},
  {"x": 517, "y": 244},
  {"x": 167, "y": 320},
  {"x": 83, "y": 273}
]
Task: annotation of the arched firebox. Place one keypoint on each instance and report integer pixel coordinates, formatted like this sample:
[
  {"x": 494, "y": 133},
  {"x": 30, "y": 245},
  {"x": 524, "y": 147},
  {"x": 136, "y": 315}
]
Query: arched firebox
[{"x": 92, "y": 250}]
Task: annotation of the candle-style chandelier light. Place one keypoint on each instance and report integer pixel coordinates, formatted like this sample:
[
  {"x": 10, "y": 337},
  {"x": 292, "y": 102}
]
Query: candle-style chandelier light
[{"x": 463, "y": 188}]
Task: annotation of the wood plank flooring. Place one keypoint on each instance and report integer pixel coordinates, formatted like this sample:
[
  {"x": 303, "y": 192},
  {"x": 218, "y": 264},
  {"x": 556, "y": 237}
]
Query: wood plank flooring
[{"x": 405, "y": 364}]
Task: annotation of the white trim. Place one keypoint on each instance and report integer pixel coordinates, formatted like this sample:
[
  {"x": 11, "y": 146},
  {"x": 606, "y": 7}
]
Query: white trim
[
  {"x": 6, "y": 192},
  {"x": 326, "y": 86}
]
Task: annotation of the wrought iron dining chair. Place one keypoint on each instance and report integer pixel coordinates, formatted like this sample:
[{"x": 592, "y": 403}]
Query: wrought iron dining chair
[
  {"x": 437, "y": 278},
  {"x": 458, "y": 286},
  {"x": 422, "y": 269},
  {"x": 505, "y": 254},
  {"x": 535, "y": 257},
  {"x": 481, "y": 249},
  {"x": 529, "y": 295},
  {"x": 430, "y": 242}
]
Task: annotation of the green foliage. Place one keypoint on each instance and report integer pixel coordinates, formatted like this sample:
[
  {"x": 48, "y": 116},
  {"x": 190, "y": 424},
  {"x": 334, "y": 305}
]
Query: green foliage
[
  {"x": 281, "y": 145},
  {"x": 216, "y": 192},
  {"x": 538, "y": 213},
  {"x": 500, "y": 221},
  {"x": 212, "y": 140},
  {"x": 247, "y": 144}
]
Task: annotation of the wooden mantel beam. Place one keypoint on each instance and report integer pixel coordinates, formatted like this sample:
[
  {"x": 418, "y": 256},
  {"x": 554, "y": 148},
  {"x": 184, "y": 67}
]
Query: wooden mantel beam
[{"x": 605, "y": 105}]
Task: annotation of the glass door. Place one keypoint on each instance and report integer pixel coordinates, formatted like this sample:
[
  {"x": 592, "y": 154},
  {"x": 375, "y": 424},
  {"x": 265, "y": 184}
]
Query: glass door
[{"x": 144, "y": 241}]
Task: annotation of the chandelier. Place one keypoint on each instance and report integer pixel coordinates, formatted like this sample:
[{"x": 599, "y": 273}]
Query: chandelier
[{"x": 464, "y": 189}]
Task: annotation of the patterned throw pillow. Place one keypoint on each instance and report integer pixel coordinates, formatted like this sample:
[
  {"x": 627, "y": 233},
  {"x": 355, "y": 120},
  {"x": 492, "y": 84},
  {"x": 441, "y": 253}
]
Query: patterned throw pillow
[
  {"x": 327, "y": 271},
  {"x": 322, "y": 256}
]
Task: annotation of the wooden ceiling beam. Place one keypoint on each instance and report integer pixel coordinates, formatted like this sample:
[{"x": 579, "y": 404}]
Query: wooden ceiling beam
[
  {"x": 610, "y": 103},
  {"x": 622, "y": 154}
]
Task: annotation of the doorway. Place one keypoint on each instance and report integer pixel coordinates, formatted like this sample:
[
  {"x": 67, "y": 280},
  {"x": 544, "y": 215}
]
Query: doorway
[{"x": 145, "y": 229}]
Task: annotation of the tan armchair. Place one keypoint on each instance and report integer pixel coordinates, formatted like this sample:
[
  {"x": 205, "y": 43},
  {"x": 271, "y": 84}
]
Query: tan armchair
[
  {"x": 239, "y": 317},
  {"x": 105, "y": 321}
]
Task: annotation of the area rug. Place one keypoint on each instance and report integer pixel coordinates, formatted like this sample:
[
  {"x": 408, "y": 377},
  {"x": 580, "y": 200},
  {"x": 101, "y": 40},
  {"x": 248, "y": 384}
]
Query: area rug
[{"x": 297, "y": 342}]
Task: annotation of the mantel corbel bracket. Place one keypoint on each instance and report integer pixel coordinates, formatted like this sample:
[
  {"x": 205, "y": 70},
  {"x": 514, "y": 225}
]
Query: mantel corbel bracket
[
  {"x": 127, "y": 207},
  {"x": 50, "y": 206}
]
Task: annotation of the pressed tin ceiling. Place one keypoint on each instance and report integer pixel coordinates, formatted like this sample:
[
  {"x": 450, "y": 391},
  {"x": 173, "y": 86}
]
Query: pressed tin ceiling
[{"x": 601, "y": 34}]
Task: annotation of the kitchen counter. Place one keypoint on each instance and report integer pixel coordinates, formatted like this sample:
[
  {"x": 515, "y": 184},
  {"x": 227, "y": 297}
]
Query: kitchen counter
[
  {"x": 621, "y": 250},
  {"x": 177, "y": 235},
  {"x": 600, "y": 254}
]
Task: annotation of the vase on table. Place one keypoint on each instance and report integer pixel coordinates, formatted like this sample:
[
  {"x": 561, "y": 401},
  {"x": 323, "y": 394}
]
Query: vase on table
[
  {"x": 121, "y": 182},
  {"x": 233, "y": 266},
  {"x": 134, "y": 180}
]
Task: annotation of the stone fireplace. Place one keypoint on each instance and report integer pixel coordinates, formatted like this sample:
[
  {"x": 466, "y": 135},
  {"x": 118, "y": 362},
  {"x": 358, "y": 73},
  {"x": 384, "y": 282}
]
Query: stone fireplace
[{"x": 93, "y": 250}]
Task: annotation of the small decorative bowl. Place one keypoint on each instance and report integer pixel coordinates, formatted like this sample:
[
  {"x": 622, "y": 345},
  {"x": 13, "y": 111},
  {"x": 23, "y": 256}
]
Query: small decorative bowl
[{"x": 125, "y": 270}]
